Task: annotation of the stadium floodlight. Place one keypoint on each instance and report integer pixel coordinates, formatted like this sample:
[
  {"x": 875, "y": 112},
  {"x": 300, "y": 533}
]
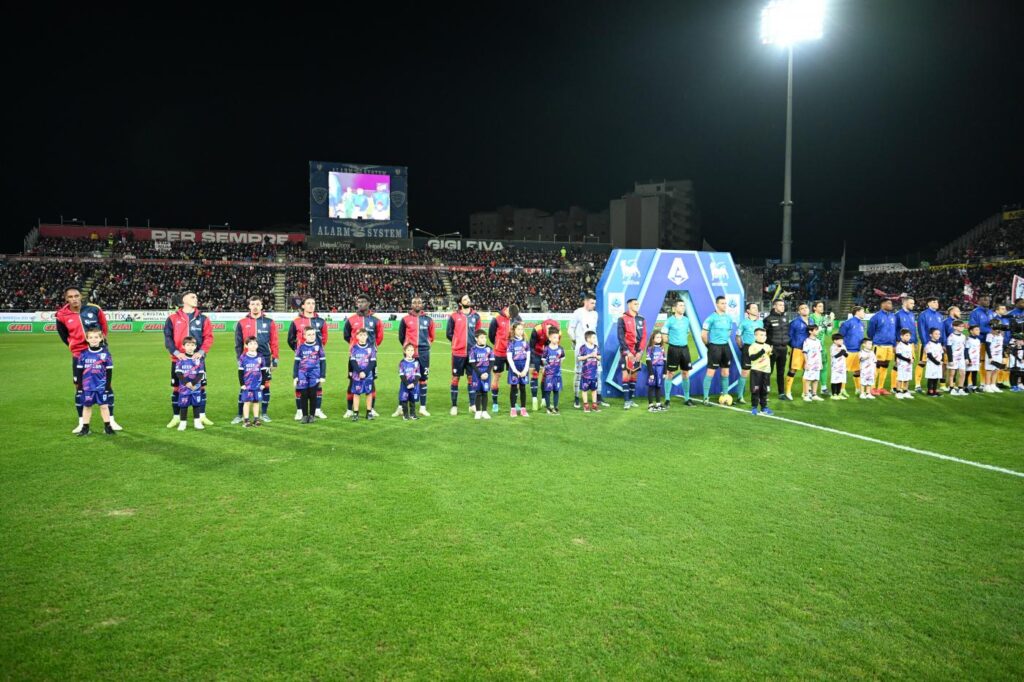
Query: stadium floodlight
[{"x": 785, "y": 23}]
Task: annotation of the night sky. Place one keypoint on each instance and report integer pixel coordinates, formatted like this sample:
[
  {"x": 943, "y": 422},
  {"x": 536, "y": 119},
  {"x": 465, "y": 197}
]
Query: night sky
[{"x": 908, "y": 123}]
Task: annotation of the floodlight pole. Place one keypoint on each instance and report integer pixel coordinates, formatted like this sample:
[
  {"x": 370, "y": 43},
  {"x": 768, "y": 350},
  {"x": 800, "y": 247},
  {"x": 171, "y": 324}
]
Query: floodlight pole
[{"x": 787, "y": 198}]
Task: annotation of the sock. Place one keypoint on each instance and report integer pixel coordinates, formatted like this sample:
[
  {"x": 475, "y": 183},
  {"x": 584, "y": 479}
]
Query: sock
[
  {"x": 300, "y": 398},
  {"x": 686, "y": 388},
  {"x": 533, "y": 386},
  {"x": 78, "y": 404},
  {"x": 554, "y": 395},
  {"x": 880, "y": 371},
  {"x": 454, "y": 390},
  {"x": 547, "y": 401},
  {"x": 494, "y": 393},
  {"x": 174, "y": 401},
  {"x": 202, "y": 402},
  {"x": 405, "y": 408},
  {"x": 423, "y": 393},
  {"x": 651, "y": 392},
  {"x": 522, "y": 395},
  {"x": 239, "y": 402},
  {"x": 856, "y": 382},
  {"x": 183, "y": 412},
  {"x": 266, "y": 401},
  {"x": 707, "y": 385},
  {"x": 512, "y": 394},
  {"x": 789, "y": 383},
  {"x": 348, "y": 400},
  {"x": 319, "y": 399},
  {"x": 741, "y": 385},
  {"x": 472, "y": 399},
  {"x": 110, "y": 403},
  {"x": 918, "y": 371}
]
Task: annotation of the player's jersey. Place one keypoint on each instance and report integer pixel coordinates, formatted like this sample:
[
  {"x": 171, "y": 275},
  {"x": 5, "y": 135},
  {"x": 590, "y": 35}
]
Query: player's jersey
[
  {"x": 957, "y": 344},
  {"x": 589, "y": 368},
  {"x": 933, "y": 360},
  {"x": 994, "y": 343},
  {"x": 417, "y": 329},
  {"x": 867, "y": 367},
  {"x": 798, "y": 333},
  {"x": 517, "y": 351},
  {"x": 179, "y": 325},
  {"x": 361, "y": 359},
  {"x": 461, "y": 331},
  {"x": 297, "y": 330},
  {"x": 719, "y": 327},
  {"x": 265, "y": 331},
  {"x": 632, "y": 333},
  {"x": 308, "y": 361},
  {"x": 374, "y": 329},
  {"x": 93, "y": 365},
  {"x": 656, "y": 356},
  {"x": 552, "y": 360},
  {"x": 191, "y": 371},
  {"x": 905, "y": 320},
  {"x": 838, "y": 363},
  {"x": 498, "y": 332},
  {"x": 812, "y": 354},
  {"x": 409, "y": 370},
  {"x": 539, "y": 337},
  {"x": 480, "y": 359},
  {"x": 973, "y": 346},
  {"x": 71, "y": 326},
  {"x": 882, "y": 328},
  {"x": 906, "y": 350},
  {"x": 253, "y": 369}
]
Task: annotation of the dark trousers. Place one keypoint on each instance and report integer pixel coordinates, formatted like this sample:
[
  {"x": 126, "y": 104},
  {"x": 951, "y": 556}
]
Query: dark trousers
[
  {"x": 760, "y": 382},
  {"x": 779, "y": 355}
]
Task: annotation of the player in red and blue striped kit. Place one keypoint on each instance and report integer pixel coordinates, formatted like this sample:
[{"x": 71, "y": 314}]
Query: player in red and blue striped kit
[
  {"x": 308, "y": 319},
  {"x": 309, "y": 373},
  {"x": 257, "y": 325},
  {"x": 187, "y": 321},
  {"x": 362, "y": 319},
  {"x": 409, "y": 376},
  {"x": 362, "y": 364},
  {"x": 480, "y": 358},
  {"x": 538, "y": 342},
  {"x": 417, "y": 328},
  {"x": 551, "y": 361},
  {"x": 461, "y": 331},
  {"x": 190, "y": 382},
  {"x": 499, "y": 333},
  {"x": 93, "y": 373}
]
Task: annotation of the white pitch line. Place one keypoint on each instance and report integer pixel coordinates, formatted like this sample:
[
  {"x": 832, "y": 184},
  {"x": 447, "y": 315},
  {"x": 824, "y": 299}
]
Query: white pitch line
[{"x": 869, "y": 439}]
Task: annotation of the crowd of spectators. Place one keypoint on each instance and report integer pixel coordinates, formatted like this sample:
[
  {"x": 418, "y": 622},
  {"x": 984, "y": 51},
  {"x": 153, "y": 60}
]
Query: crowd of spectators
[
  {"x": 131, "y": 286},
  {"x": 958, "y": 286},
  {"x": 196, "y": 251},
  {"x": 388, "y": 289},
  {"x": 38, "y": 285},
  {"x": 800, "y": 282},
  {"x": 67, "y": 248},
  {"x": 541, "y": 291},
  {"x": 1004, "y": 241}
]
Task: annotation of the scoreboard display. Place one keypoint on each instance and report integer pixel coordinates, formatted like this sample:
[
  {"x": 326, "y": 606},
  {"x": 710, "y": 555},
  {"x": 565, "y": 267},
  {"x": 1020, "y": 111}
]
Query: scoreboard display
[{"x": 349, "y": 200}]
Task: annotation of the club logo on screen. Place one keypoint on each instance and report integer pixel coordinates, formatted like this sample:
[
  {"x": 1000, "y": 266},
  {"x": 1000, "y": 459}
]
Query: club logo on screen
[
  {"x": 719, "y": 274},
  {"x": 319, "y": 194},
  {"x": 397, "y": 199},
  {"x": 630, "y": 271},
  {"x": 677, "y": 273}
]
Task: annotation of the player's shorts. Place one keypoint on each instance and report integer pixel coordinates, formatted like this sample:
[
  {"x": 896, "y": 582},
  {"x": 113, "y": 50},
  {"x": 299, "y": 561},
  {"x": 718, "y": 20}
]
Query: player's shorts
[
  {"x": 745, "y": 357},
  {"x": 853, "y": 362},
  {"x": 627, "y": 364},
  {"x": 885, "y": 354},
  {"x": 361, "y": 386},
  {"x": 719, "y": 356},
  {"x": 407, "y": 394},
  {"x": 838, "y": 377},
  {"x": 588, "y": 384},
  {"x": 553, "y": 383},
  {"x": 812, "y": 375},
  {"x": 460, "y": 366},
  {"x": 424, "y": 358},
  {"x": 867, "y": 378},
  {"x": 956, "y": 363},
  {"x": 656, "y": 377},
  {"x": 678, "y": 358},
  {"x": 515, "y": 380},
  {"x": 250, "y": 395},
  {"x": 989, "y": 363},
  {"x": 499, "y": 365},
  {"x": 904, "y": 372},
  {"x": 90, "y": 398},
  {"x": 307, "y": 380},
  {"x": 190, "y": 398},
  {"x": 478, "y": 385},
  {"x": 796, "y": 359}
]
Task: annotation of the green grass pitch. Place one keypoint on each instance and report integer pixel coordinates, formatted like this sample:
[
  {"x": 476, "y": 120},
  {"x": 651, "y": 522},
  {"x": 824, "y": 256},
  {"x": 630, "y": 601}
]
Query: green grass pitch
[{"x": 621, "y": 545}]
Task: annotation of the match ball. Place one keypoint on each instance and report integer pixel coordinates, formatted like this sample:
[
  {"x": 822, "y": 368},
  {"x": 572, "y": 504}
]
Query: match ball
[{"x": 725, "y": 399}]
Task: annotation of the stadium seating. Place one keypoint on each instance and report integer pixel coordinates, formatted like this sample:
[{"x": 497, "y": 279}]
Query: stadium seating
[
  {"x": 135, "y": 286},
  {"x": 946, "y": 283}
]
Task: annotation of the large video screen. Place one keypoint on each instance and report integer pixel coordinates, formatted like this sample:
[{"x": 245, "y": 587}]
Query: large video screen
[
  {"x": 357, "y": 195},
  {"x": 348, "y": 200}
]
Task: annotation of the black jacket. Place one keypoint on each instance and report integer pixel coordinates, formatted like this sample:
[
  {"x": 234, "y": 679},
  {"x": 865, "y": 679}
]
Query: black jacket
[{"x": 777, "y": 328}]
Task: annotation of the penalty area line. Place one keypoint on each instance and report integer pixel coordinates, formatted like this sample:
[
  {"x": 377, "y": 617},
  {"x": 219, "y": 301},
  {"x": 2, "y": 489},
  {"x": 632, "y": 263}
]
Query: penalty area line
[{"x": 897, "y": 446}]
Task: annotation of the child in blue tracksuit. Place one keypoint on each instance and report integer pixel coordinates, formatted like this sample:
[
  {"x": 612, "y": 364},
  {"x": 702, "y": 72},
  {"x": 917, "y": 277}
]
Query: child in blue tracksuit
[{"x": 656, "y": 373}]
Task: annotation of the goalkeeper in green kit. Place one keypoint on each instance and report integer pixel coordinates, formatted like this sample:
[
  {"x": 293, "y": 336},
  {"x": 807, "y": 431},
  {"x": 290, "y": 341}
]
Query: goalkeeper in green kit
[{"x": 825, "y": 325}]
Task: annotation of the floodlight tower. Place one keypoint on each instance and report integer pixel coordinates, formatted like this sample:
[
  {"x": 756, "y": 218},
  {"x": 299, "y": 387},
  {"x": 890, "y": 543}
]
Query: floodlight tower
[{"x": 786, "y": 23}]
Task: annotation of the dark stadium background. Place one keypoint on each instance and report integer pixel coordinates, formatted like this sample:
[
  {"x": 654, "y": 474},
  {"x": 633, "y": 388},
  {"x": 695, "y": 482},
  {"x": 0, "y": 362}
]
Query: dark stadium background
[{"x": 907, "y": 117}]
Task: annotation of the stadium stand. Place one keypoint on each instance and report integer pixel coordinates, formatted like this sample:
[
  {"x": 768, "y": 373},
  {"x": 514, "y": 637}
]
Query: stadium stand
[
  {"x": 141, "y": 286},
  {"x": 953, "y": 285}
]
